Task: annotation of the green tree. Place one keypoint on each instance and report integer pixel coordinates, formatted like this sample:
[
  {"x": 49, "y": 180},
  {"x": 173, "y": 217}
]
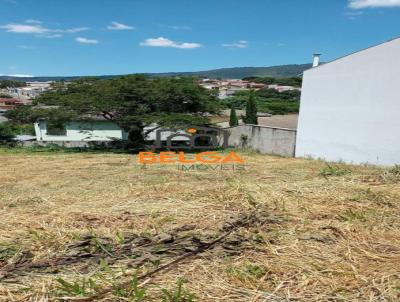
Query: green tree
[
  {"x": 292, "y": 81},
  {"x": 132, "y": 102},
  {"x": 11, "y": 84},
  {"x": 291, "y": 95},
  {"x": 5, "y": 96},
  {"x": 6, "y": 133},
  {"x": 233, "y": 120},
  {"x": 251, "y": 110}
]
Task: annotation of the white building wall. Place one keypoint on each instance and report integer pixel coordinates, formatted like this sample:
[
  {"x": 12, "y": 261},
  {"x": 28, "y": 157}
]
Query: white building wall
[
  {"x": 266, "y": 140},
  {"x": 82, "y": 131},
  {"x": 350, "y": 108}
]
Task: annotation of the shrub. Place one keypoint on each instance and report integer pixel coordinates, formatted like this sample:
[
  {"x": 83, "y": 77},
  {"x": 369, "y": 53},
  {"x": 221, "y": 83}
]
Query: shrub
[
  {"x": 233, "y": 120},
  {"x": 180, "y": 294},
  {"x": 6, "y": 133},
  {"x": 251, "y": 110},
  {"x": 392, "y": 175},
  {"x": 333, "y": 170}
]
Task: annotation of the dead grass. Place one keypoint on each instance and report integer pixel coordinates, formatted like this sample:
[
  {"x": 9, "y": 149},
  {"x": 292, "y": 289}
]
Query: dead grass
[{"x": 330, "y": 237}]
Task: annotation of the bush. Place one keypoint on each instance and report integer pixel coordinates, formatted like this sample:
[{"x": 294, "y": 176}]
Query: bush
[
  {"x": 269, "y": 101},
  {"x": 333, "y": 170},
  {"x": 291, "y": 95},
  {"x": 279, "y": 107},
  {"x": 11, "y": 83},
  {"x": 6, "y": 133},
  {"x": 292, "y": 81},
  {"x": 251, "y": 110},
  {"x": 5, "y": 96},
  {"x": 392, "y": 175},
  {"x": 233, "y": 120},
  {"x": 23, "y": 129}
]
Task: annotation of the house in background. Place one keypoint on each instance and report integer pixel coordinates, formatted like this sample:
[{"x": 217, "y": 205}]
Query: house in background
[
  {"x": 30, "y": 91},
  {"x": 96, "y": 129},
  {"x": 9, "y": 104},
  {"x": 79, "y": 133},
  {"x": 350, "y": 108}
]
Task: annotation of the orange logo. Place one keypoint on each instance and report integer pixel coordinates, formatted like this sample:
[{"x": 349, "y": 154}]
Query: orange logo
[
  {"x": 210, "y": 157},
  {"x": 191, "y": 130}
]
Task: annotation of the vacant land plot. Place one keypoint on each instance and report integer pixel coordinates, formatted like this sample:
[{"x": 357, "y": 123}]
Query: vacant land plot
[
  {"x": 280, "y": 121},
  {"x": 288, "y": 121},
  {"x": 99, "y": 227}
]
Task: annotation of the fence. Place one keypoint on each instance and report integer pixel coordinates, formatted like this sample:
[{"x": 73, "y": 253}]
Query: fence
[{"x": 267, "y": 140}]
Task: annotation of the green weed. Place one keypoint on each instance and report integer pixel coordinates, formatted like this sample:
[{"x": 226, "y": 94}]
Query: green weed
[
  {"x": 333, "y": 170},
  {"x": 180, "y": 294},
  {"x": 82, "y": 288},
  {"x": 352, "y": 215},
  {"x": 247, "y": 271},
  {"x": 132, "y": 292},
  {"x": 7, "y": 251},
  {"x": 392, "y": 175}
]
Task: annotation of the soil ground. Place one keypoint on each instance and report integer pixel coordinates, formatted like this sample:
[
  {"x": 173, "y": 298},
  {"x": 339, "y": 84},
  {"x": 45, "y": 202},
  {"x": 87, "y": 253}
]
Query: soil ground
[{"x": 100, "y": 227}]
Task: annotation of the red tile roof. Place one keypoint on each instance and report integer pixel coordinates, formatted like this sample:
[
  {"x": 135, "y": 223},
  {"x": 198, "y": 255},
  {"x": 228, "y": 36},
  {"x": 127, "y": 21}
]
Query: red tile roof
[{"x": 7, "y": 100}]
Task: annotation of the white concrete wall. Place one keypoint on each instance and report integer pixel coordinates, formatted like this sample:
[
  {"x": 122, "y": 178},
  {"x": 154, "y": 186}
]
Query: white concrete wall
[
  {"x": 350, "y": 108},
  {"x": 82, "y": 131},
  {"x": 267, "y": 140}
]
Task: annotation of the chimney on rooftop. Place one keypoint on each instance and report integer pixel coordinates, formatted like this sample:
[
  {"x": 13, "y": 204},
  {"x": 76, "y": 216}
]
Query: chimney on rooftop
[{"x": 316, "y": 59}]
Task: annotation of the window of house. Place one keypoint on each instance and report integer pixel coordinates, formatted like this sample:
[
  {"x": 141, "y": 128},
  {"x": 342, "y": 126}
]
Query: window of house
[
  {"x": 87, "y": 127},
  {"x": 56, "y": 129}
]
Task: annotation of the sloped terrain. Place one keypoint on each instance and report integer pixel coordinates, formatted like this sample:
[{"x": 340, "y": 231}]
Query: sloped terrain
[{"x": 99, "y": 227}]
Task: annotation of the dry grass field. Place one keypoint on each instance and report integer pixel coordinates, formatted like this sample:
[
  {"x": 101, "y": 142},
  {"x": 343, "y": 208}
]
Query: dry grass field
[{"x": 99, "y": 227}]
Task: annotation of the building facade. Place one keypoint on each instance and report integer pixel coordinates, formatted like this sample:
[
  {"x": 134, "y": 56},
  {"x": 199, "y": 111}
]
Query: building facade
[
  {"x": 79, "y": 131},
  {"x": 350, "y": 108}
]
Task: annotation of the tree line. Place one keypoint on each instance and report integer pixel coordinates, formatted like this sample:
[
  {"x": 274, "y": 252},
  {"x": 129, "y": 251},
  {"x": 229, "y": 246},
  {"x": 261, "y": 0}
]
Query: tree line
[
  {"x": 132, "y": 102},
  {"x": 291, "y": 81},
  {"x": 136, "y": 101},
  {"x": 267, "y": 100},
  {"x": 11, "y": 84}
]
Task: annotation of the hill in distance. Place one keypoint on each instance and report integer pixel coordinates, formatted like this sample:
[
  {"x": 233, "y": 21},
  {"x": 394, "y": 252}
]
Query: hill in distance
[{"x": 282, "y": 71}]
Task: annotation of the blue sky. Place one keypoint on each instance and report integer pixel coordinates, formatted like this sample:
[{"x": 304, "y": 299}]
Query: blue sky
[{"x": 92, "y": 37}]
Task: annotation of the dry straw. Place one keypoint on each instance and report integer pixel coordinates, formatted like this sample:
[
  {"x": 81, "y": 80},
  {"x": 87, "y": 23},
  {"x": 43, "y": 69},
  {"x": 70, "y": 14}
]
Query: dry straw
[{"x": 330, "y": 236}]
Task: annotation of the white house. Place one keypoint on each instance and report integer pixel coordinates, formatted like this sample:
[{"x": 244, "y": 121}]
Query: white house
[
  {"x": 79, "y": 131},
  {"x": 350, "y": 108}
]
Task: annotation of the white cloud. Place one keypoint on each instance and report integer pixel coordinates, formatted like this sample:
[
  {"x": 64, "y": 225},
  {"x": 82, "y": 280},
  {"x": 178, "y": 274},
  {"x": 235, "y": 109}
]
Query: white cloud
[
  {"x": 360, "y": 4},
  {"x": 119, "y": 26},
  {"x": 86, "y": 41},
  {"x": 353, "y": 14},
  {"x": 21, "y": 75},
  {"x": 164, "y": 42},
  {"x": 238, "y": 44},
  {"x": 33, "y": 21},
  {"x": 25, "y": 47},
  {"x": 52, "y": 36},
  {"x": 33, "y": 27},
  {"x": 25, "y": 28},
  {"x": 177, "y": 27},
  {"x": 71, "y": 30}
]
